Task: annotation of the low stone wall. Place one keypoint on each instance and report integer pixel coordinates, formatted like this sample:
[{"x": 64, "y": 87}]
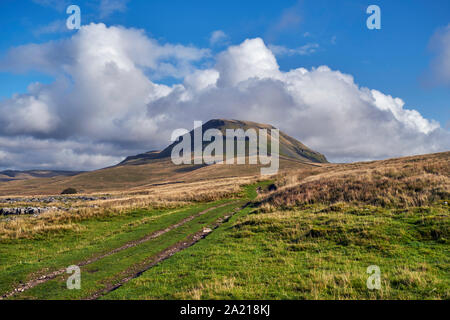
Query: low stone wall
[
  {"x": 20, "y": 211},
  {"x": 51, "y": 199}
]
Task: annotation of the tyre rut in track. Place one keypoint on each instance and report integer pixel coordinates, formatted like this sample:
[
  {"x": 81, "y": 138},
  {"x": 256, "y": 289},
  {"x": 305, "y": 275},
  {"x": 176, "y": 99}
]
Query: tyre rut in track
[
  {"x": 140, "y": 268},
  {"x": 32, "y": 283}
]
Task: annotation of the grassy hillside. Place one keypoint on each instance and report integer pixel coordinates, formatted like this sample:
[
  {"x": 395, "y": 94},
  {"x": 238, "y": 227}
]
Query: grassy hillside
[
  {"x": 309, "y": 253},
  {"x": 289, "y": 147},
  {"x": 156, "y": 167},
  {"x": 135, "y": 177},
  {"x": 315, "y": 237},
  {"x": 11, "y": 175},
  {"x": 107, "y": 245},
  {"x": 411, "y": 181},
  {"x": 308, "y": 233}
]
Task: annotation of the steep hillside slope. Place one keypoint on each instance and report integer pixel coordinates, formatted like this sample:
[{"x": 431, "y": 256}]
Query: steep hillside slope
[
  {"x": 289, "y": 147},
  {"x": 156, "y": 167}
]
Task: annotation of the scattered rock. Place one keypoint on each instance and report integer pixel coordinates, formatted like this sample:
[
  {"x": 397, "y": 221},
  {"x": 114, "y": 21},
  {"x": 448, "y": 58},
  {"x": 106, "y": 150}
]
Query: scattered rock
[
  {"x": 51, "y": 199},
  {"x": 23, "y": 211}
]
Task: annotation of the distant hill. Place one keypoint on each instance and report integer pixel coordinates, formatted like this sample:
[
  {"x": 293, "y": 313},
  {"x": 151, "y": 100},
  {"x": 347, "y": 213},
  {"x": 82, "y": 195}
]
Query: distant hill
[
  {"x": 156, "y": 167},
  {"x": 289, "y": 147},
  {"x": 9, "y": 175}
]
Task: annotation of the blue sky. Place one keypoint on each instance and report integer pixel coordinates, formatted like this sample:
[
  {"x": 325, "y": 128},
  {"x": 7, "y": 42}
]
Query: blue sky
[
  {"x": 393, "y": 59},
  {"x": 136, "y": 70}
]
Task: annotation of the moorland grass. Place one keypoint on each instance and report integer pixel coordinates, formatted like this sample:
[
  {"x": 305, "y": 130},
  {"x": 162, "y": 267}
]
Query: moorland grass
[
  {"x": 314, "y": 252},
  {"x": 97, "y": 275},
  {"x": 312, "y": 238},
  {"x": 26, "y": 259}
]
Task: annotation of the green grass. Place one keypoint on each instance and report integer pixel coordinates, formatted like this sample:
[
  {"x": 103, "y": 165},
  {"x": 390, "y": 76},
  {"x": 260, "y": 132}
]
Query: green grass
[
  {"x": 316, "y": 252},
  {"x": 25, "y": 259},
  {"x": 110, "y": 269},
  {"x": 249, "y": 191},
  {"x": 311, "y": 252}
]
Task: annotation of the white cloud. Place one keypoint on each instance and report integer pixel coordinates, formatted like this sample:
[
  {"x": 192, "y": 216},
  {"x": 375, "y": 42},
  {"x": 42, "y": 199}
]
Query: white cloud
[
  {"x": 333, "y": 40},
  {"x": 218, "y": 37},
  {"x": 202, "y": 79},
  {"x": 33, "y": 153},
  {"x": 304, "y": 50},
  {"x": 410, "y": 118},
  {"x": 108, "y": 7},
  {"x": 105, "y": 103},
  {"x": 34, "y": 114},
  {"x": 104, "y": 8},
  {"x": 57, "y": 26},
  {"x": 289, "y": 20},
  {"x": 251, "y": 59},
  {"x": 100, "y": 92},
  {"x": 58, "y": 5},
  {"x": 3, "y": 156},
  {"x": 439, "y": 73}
]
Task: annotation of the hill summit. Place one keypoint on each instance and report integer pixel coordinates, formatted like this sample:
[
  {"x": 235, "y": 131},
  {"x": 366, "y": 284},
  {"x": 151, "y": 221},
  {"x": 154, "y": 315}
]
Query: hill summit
[
  {"x": 289, "y": 147},
  {"x": 157, "y": 167}
]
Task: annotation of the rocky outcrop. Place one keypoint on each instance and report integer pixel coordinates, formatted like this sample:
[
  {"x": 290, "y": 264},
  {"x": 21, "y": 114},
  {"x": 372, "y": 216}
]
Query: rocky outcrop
[
  {"x": 51, "y": 199},
  {"x": 21, "y": 211}
]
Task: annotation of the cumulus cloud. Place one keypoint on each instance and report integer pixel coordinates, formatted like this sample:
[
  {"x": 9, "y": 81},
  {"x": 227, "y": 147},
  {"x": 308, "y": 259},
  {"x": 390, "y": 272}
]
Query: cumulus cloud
[
  {"x": 251, "y": 59},
  {"x": 28, "y": 152},
  {"x": 100, "y": 91},
  {"x": 323, "y": 108},
  {"x": 106, "y": 102},
  {"x": 439, "y": 73}
]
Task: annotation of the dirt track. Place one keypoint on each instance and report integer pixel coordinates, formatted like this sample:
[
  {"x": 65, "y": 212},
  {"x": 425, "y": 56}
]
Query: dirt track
[
  {"x": 32, "y": 283},
  {"x": 138, "y": 269}
]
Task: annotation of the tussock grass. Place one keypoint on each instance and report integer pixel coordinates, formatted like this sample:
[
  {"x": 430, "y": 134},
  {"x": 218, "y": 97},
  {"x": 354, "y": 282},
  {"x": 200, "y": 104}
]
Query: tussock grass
[{"x": 409, "y": 182}]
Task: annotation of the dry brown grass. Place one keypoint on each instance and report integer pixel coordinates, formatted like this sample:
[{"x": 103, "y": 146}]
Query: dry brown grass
[
  {"x": 218, "y": 286},
  {"x": 119, "y": 203},
  {"x": 27, "y": 227},
  {"x": 412, "y": 181},
  {"x": 130, "y": 177}
]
